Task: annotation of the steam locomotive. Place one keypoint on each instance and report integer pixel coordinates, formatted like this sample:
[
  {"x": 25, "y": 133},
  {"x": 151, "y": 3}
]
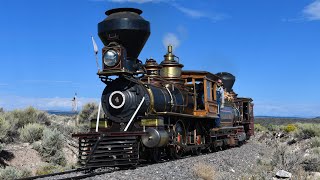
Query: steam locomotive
[{"x": 156, "y": 110}]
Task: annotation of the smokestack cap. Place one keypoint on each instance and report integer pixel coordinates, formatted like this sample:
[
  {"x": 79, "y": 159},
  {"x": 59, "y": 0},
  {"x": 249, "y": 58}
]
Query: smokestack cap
[
  {"x": 111, "y": 11},
  {"x": 126, "y": 27}
]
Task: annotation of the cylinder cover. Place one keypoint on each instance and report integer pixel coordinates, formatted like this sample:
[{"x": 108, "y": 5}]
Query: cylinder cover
[{"x": 155, "y": 138}]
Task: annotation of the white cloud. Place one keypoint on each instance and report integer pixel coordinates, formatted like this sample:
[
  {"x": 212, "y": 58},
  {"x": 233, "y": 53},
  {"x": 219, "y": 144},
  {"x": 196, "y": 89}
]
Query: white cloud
[
  {"x": 190, "y": 12},
  {"x": 56, "y": 103},
  {"x": 170, "y": 39},
  {"x": 187, "y": 11},
  {"x": 199, "y": 14},
  {"x": 312, "y": 11}
]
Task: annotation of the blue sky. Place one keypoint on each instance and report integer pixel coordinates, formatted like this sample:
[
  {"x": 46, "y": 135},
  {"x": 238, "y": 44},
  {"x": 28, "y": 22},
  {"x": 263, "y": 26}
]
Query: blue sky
[{"x": 271, "y": 46}]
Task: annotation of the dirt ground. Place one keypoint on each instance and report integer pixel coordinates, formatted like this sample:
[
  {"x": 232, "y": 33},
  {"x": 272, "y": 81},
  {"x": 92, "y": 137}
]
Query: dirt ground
[{"x": 29, "y": 159}]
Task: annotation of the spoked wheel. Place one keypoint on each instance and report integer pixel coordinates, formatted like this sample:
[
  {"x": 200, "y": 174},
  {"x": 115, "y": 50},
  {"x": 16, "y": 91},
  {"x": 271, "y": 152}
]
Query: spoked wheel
[{"x": 176, "y": 151}]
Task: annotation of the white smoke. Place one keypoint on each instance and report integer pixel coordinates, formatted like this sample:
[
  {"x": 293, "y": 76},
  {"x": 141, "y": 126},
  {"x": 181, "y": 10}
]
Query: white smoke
[{"x": 170, "y": 39}]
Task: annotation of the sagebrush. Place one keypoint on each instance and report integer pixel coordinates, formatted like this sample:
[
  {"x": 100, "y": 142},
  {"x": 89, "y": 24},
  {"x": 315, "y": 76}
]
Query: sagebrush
[
  {"x": 4, "y": 128},
  {"x": 87, "y": 111},
  {"x": 31, "y": 132},
  {"x": 13, "y": 173},
  {"x": 51, "y": 147}
]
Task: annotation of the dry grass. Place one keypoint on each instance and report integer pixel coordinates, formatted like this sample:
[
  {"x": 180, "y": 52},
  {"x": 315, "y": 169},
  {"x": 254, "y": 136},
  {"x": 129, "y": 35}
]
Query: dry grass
[{"x": 204, "y": 171}]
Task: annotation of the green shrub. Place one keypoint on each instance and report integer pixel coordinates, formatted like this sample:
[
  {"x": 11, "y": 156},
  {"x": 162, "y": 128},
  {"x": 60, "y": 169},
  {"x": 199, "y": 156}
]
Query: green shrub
[
  {"x": 43, "y": 118},
  {"x": 315, "y": 142},
  {"x": 259, "y": 128},
  {"x": 48, "y": 169},
  {"x": 272, "y": 127},
  {"x": 20, "y": 118},
  {"x": 31, "y": 132},
  {"x": 24, "y": 117},
  {"x": 316, "y": 150},
  {"x": 66, "y": 130},
  {"x": 87, "y": 111},
  {"x": 307, "y": 130},
  {"x": 51, "y": 147},
  {"x": 37, "y": 146},
  {"x": 312, "y": 163},
  {"x": 83, "y": 127},
  {"x": 4, "y": 128},
  {"x": 290, "y": 128},
  {"x": 13, "y": 173}
]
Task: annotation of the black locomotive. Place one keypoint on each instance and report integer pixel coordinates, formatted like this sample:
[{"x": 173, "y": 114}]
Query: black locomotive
[{"x": 157, "y": 110}]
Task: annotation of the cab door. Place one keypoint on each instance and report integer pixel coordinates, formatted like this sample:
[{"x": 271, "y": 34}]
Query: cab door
[{"x": 210, "y": 97}]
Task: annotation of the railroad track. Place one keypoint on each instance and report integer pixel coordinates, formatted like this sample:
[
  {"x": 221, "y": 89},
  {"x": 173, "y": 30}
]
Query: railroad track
[
  {"x": 79, "y": 173},
  {"x": 82, "y": 173}
]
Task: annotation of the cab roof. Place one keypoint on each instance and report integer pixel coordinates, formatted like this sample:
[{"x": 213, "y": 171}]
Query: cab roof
[{"x": 199, "y": 74}]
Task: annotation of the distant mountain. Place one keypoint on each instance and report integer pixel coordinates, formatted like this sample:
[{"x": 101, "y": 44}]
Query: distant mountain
[
  {"x": 65, "y": 113},
  {"x": 267, "y": 120},
  {"x": 282, "y": 117}
]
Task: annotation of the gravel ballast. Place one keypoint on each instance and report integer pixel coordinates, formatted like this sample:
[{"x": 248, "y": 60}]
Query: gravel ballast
[{"x": 234, "y": 163}]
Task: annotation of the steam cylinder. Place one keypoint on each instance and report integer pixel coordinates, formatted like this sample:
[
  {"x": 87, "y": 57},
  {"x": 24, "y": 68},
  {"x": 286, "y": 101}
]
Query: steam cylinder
[{"x": 126, "y": 27}]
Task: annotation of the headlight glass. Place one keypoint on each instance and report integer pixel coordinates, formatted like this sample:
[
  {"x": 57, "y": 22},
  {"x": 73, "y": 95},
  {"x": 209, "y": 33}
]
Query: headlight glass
[{"x": 110, "y": 58}]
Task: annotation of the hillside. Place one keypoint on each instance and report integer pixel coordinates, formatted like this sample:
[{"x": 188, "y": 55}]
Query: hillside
[{"x": 266, "y": 121}]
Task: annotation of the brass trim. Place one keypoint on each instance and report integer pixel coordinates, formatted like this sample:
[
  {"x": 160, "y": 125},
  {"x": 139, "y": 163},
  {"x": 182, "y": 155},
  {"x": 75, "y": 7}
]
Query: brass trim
[
  {"x": 151, "y": 99},
  {"x": 186, "y": 115},
  {"x": 152, "y": 122},
  {"x": 102, "y": 124}
]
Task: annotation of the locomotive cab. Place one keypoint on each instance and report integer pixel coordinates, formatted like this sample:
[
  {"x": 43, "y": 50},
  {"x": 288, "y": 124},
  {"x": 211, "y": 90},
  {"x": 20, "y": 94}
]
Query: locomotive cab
[{"x": 203, "y": 85}]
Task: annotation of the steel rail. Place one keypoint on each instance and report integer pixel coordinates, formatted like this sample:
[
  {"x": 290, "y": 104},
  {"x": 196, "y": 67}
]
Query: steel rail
[{"x": 54, "y": 174}]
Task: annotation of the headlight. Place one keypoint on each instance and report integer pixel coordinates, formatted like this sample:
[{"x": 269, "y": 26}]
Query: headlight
[{"x": 110, "y": 58}]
